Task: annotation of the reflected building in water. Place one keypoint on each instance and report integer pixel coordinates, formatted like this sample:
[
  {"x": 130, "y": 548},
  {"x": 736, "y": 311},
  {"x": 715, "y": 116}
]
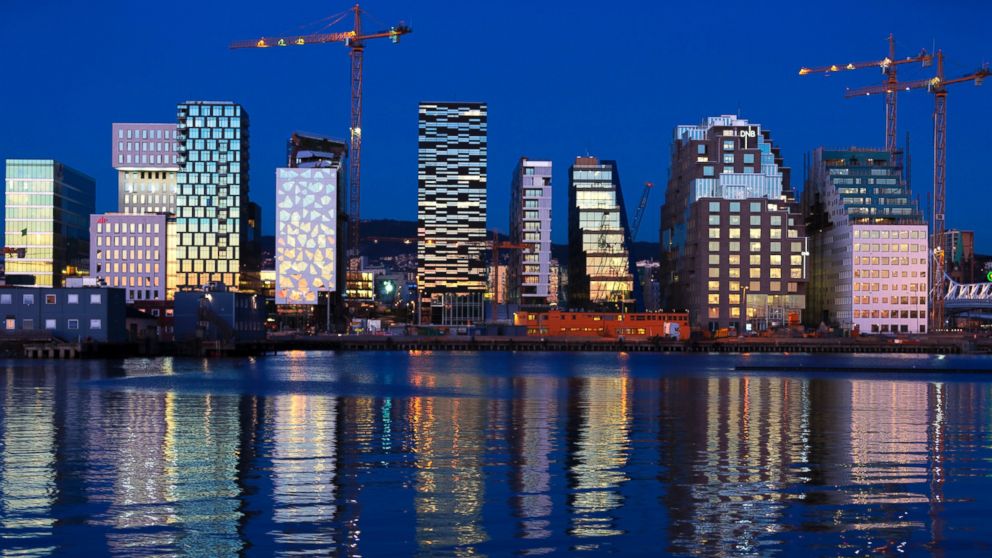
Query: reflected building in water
[{"x": 448, "y": 445}]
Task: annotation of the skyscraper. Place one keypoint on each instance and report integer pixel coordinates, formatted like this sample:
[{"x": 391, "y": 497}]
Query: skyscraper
[
  {"x": 600, "y": 276},
  {"x": 529, "y": 272},
  {"x": 869, "y": 243},
  {"x": 732, "y": 238},
  {"x": 146, "y": 162},
  {"x": 132, "y": 252},
  {"x": 48, "y": 205},
  {"x": 212, "y": 194},
  {"x": 451, "y": 212},
  {"x": 309, "y": 241}
]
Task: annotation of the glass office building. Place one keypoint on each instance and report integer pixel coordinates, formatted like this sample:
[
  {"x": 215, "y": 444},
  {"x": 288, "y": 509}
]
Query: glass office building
[
  {"x": 212, "y": 194},
  {"x": 46, "y": 238},
  {"x": 600, "y": 276}
]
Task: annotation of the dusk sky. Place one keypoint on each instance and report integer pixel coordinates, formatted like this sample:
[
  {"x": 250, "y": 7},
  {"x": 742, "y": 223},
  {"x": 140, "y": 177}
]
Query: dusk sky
[{"x": 610, "y": 79}]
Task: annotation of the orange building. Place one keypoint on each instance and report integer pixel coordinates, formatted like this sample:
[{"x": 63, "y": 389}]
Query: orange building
[{"x": 640, "y": 325}]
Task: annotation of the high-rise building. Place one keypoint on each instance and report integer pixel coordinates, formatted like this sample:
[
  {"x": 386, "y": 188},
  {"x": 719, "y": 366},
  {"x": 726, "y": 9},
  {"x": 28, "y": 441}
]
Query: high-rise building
[
  {"x": 309, "y": 238},
  {"x": 600, "y": 275},
  {"x": 132, "y": 252},
  {"x": 959, "y": 256},
  {"x": 529, "y": 272},
  {"x": 732, "y": 237},
  {"x": 212, "y": 205},
  {"x": 47, "y": 222},
  {"x": 145, "y": 156},
  {"x": 451, "y": 212},
  {"x": 869, "y": 243}
]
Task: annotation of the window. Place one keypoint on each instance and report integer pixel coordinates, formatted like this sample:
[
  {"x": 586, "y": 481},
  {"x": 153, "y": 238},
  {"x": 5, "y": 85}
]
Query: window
[
  {"x": 728, "y": 158},
  {"x": 728, "y": 145},
  {"x": 708, "y": 170},
  {"x": 96, "y": 299},
  {"x": 10, "y": 324},
  {"x": 749, "y": 158},
  {"x": 28, "y": 299},
  {"x": 96, "y": 324},
  {"x": 735, "y": 207},
  {"x": 5, "y": 299},
  {"x": 701, "y": 149},
  {"x": 51, "y": 299},
  {"x": 73, "y": 324},
  {"x": 27, "y": 323},
  {"x": 72, "y": 299},
  {"x": 714, "y": 207},
  {"x": 50, "y": 324}
]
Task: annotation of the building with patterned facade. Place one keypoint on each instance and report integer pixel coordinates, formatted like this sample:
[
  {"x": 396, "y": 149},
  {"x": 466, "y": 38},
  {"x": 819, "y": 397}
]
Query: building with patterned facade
[
  {"x": 146, "y": 159},
  {"x": 451, "y": 212},
  {"x": 732, "y": 239},
  {"x": 600, "y": 272},
  {"x": 309, "y": 197},
  {"x": 46, "y": 233},
  {"x": 529, "y": 272},
  {"x": 869, "y": 243},
  {"x": 132, "y": 252},
  {"x": 212, "y": 205}
]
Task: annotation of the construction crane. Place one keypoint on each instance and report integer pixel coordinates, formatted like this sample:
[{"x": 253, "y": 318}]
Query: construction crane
[
  {"x": 640, "y": 210},
  {"x": 936, "y": 85},
  {"x": 888, "y": 66},
  {"x": 355, "y": 41}
]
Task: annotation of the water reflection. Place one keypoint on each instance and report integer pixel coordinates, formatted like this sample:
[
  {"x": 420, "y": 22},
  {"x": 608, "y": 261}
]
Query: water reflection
[{"x": 487, "y": 455}]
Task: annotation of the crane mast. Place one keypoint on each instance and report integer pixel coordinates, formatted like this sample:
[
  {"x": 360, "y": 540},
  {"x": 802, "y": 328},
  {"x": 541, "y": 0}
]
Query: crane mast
[
  {"x": 888, "y": 66},
  {"x": 355, "y": 41}
]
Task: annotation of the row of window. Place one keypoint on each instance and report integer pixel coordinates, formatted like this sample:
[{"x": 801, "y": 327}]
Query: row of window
[
  {"x": 212, "y": 110},
  {"x": 145, "y": 146},
  {"x": 146, "y": 159},
  {"x": 755, "y": 232},
  {"x": 755, "y": 286},
  {"x": 895, "y": 314},
  {"x": 129, "y": 281},
  {"x": 885, "y": 260},
  {"x": 132, "y": 267},
  {"x": 50, "y": 323},
  {"x": 71, "y": 298},
  {"x": 773, "y": 247},
  {"x": 885, "y": 273},
  {"x": 754, "y": 220},
  {"x": 889, "y": 247},
  {"x": 758, "y": 272},
  {"x": 146, "y": 134},
  {"x": 865, "y": 299},
  {"x": 894, "y": 235},
  {"x": 877, "y": 287}
]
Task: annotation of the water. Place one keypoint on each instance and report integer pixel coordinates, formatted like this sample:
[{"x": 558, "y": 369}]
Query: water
[{"x": 380, "y": 454}]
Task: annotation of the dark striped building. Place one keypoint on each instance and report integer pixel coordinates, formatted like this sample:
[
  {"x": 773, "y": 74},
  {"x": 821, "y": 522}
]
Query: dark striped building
[{"x": 451, "y": 212}]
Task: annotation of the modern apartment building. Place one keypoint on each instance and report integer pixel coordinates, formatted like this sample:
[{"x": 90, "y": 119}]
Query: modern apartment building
[
  {"x": 869, "y": 243},
  {"x": 451, "y": 212},
  {"x": 132, "y": 252},
  {"x": 732, "y": 239},
  {"x": 212, "y": 205},
  {"x": 46, "y": 231},
  {"x": 959, "y": 256},
  {"x": 600, "y": 274},
  {"x": 309, "y": 235},
  {"x": 146, "y": 159},
  {"x": 529, "y": 272}
]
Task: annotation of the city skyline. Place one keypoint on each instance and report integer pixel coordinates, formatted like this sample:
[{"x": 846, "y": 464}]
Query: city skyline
[{"x": 626, "y": 114}]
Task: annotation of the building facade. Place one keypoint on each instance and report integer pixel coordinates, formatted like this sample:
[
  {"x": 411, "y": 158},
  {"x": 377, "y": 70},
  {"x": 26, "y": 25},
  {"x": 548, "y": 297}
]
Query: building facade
[
  {"x": 46, "y": 233},
  {"x": 959, "y": 257},
  {"x": 869, "y": 243},
  {"x": 146, "y": 158},
  {"x": 212, "y": 194},
  {"x": 451, "y": 212},
  {"x": 309, "y": 197},
  {"x": 131, "y": 251},
  {"x": 732, "y": 237},
  {"x": 529, "y": 272},
  {"x": 68, "y": 314},
  {"x": 215, "y": 313},
  {"x": 600, "y": 274}
]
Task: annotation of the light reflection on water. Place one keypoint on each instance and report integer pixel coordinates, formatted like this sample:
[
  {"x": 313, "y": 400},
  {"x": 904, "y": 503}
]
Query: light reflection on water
[{"x": 491, "y": 454}]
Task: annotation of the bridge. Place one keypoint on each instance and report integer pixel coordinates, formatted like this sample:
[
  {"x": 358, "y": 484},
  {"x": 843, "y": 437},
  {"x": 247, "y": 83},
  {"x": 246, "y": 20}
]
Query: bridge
[{"x": 969, "y": 300}]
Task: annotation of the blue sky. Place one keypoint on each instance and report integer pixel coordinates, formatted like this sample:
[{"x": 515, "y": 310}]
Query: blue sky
[{"x": 561, "y": 79}]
